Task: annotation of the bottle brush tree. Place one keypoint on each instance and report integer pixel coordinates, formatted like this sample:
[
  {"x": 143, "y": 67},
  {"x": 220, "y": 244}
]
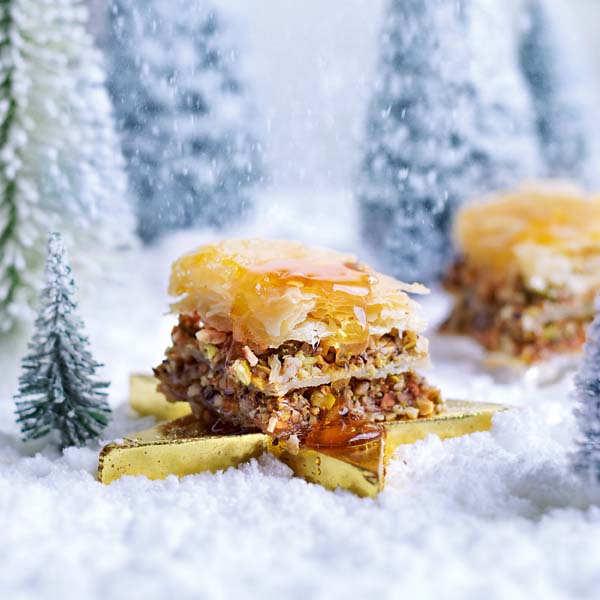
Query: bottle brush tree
[
  {"x": 562, "y": 88},
  {"x": 58, "y": 392}
]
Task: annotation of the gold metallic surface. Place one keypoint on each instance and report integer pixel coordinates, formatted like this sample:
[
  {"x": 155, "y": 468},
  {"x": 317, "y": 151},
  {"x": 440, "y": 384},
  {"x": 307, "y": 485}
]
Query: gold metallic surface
[
  {"x": 184, "y": 446},
  {"x": 459, "y": 418},
  {"x": 359, "y": 469},
  {"x": 180, "y": 447},
  {"x": 148, "y": 402}
]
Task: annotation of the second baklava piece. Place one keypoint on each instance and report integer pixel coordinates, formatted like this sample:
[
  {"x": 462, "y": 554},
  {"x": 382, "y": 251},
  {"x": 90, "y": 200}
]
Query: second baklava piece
[{"x": 527, "y": 273}]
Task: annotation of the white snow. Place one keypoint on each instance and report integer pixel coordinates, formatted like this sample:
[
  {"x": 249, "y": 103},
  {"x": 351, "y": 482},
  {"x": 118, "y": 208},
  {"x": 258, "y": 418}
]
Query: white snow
[{"x": 491, "y": 515}]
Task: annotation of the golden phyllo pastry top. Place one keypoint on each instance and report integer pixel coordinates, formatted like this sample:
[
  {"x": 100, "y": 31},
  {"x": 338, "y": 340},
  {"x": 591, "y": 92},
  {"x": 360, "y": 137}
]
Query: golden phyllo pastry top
[
  {"x": 267, "y": 292},
  {"x": 547, "y": 232}
]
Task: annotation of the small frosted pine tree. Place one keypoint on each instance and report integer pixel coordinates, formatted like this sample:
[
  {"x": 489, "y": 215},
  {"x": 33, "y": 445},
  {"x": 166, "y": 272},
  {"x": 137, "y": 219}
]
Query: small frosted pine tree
[
  {"x": 450, "y": 119},
  {"x": 183, "y": 113},
  {"x": 586, "y": 459},
  {"x": 60, "y": 163},
  {"x": 563, "y": 93},
  {"x": 57, "y": 391}
]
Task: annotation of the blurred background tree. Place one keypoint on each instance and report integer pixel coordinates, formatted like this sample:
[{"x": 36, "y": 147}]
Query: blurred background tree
[
  {"x": 60, "y": 161},
  {"x": 187, "y": 126},
  {"x": 305, "y": 72},
  {"x": 562, "y": 88}
]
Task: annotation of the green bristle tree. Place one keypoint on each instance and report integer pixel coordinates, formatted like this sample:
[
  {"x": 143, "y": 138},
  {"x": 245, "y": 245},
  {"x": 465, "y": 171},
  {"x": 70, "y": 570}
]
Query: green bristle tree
[{"x": 58, "y": 392}]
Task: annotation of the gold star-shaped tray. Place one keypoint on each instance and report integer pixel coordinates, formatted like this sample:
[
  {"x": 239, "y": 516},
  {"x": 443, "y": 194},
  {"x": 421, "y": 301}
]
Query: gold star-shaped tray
[{"x": 183, "y": 445}]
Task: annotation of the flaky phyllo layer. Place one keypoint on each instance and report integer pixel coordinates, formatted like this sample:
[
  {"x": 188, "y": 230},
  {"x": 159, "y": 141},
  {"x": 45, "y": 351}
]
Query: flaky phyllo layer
[
  {"x": 267, "y": 293},
  {"x": 528, "y": 270}
]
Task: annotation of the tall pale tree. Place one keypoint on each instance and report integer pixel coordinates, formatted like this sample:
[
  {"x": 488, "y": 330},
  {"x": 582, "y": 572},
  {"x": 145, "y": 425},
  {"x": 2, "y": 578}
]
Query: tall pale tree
[{"x": 60, "y": 161}]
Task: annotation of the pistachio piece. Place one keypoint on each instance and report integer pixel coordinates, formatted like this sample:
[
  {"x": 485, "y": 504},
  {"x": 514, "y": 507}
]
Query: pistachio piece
[
  {"x": 322, "y": 399},
  {"x": 210, "y": 351},
  {"x": 242, "y": 371}
]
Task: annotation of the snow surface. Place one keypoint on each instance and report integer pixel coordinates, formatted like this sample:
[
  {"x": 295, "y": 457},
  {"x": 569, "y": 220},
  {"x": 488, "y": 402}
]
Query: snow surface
[{"x": 491, "y": 515}]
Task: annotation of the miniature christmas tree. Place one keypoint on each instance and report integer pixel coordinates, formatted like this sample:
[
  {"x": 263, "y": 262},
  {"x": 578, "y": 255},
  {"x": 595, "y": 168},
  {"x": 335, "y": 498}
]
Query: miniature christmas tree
[
  {"x": 563, "y": 93},
  {"x": 60, "y": 164},
  {"x": 448, "y": 122},
  {"x": 586, "y": 460},
  {"x": 183, "y": 112},
  {"x": 56, "y": 389}
]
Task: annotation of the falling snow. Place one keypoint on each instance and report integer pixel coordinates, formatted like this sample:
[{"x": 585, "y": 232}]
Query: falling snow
[{"x": 495, "y": 514}]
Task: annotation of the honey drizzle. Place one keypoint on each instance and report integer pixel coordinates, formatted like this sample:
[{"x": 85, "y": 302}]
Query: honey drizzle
[
  {"x": 346, "y": 285},
  {"x": 338, "y": 430},
  {"x": 306, "y": 271},
  {"x": 343, "y": 433},
  {"x": 263, "y": 291}
]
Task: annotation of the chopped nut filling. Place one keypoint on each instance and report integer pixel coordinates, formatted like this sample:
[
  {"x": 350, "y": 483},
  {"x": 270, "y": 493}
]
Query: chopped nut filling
[
  {"x": 295, "y": 365},
  {"x": 508, "y": 317},
  {"x": 218, "y": 378},
  {"x": 396, "y": 397}
]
